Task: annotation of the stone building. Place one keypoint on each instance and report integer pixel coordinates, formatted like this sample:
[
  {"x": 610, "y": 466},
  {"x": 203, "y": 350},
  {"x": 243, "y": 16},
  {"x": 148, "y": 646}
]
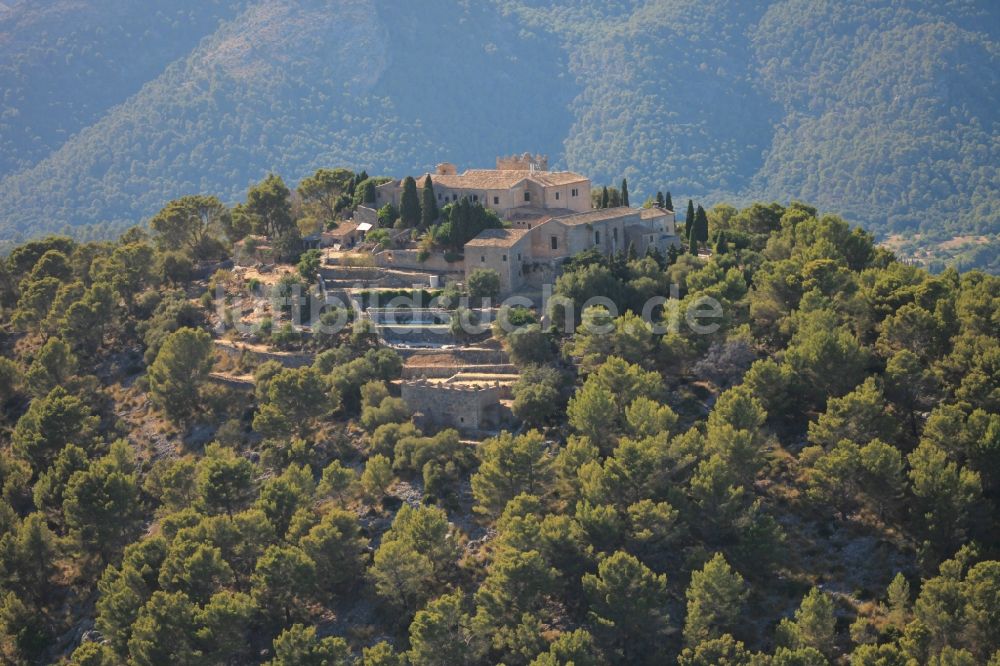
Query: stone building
[
  {"x": 461, "y": 406},
  {"x": 537, "y": 246},
  {"x": 504, "y": 190},
  {"x": 524, "y": 162},
  {"x": 548, "y": 216},
  {"x": 502, "y": 250}
]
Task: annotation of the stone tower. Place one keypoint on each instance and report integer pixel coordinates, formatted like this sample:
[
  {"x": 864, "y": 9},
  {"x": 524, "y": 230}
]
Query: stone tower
[{"x": 525, "y": 162}]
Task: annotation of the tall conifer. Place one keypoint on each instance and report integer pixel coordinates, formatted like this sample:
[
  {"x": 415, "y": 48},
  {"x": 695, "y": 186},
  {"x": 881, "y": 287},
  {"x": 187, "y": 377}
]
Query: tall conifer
[
  {"x": 428, "y": 207},
  {"x": 409, "y": 204}
]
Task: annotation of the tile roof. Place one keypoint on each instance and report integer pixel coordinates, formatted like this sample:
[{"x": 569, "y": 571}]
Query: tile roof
[
  {"x": 650, "y": 213},
  {"x": 344, "y": 228},
  {"x": 598, "y": 215},
  {"x": 535, "y": 212},
  {"x": 497, "y": 238},
  {"x": 553, "y": 178}
]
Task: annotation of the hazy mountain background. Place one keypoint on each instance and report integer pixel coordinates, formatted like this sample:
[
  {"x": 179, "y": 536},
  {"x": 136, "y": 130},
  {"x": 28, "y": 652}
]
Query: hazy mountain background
[{"x": 887, "y": 111}]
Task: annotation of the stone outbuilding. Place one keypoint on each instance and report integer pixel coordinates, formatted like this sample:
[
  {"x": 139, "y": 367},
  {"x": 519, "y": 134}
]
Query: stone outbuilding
[{"x": 467, "y": 408}]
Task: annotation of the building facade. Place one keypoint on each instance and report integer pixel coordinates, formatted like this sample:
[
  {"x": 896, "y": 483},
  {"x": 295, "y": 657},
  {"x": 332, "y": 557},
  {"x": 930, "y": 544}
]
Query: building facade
[
  {"x": 548, "y": 218},
  {"x": 536, "y": 247},
  {"x": 463, "y": 407},
  {"x": 507, "y": 191}
]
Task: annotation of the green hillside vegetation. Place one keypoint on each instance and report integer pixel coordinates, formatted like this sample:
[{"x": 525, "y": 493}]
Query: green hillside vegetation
[
  {"x": 813, "y": 482},
  {"x": 63, "y": 65},
  {"x": 885, "y": 112},
  {"x": 257, "y": 96}
]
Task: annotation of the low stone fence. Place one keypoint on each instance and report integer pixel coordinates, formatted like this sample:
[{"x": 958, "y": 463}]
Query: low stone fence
[
  {"x": 464, "y": 355},
  {"x": 387, "y": 278},
  {"x": 243, "y": 383},
  {"x": 235, "y": 350},
  {"x": 409, "y": 259},
  {"x": 416, "y": 371}
]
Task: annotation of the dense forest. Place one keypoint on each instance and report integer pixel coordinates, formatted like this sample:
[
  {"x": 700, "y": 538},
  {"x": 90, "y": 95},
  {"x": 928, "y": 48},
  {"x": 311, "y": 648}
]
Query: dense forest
[
  {"x": 882, "y": 111},
  {"x": 814, "y": 481}
]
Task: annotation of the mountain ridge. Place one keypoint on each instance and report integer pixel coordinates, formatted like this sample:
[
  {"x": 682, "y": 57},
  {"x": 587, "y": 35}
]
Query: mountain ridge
[{"x": 886, "y": 112}]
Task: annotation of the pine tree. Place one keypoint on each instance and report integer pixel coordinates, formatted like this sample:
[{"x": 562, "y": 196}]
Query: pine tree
[
  {"x": 714, "y": 599},
  {"x": 659, "y": 200},
  {"x": 605, "y": 197},
  {"x": 428, "y": 208},
  {"x": 180, "y": 368},
  {"x": 628, "y": 602},
  {"x": 668, "y": 202},
  {"x": 898, "y": 593},
  {"x": 409, "y": 204},
  {"x": 509, "y": 466},
  {"x": 689, "y": 219},
  {"x": 625, "y": 192}
]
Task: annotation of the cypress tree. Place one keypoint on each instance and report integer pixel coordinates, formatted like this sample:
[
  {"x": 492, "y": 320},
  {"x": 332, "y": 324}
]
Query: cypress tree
[
  {"x": 693, "y": 240},
  {"x": 625, "y": 192},
  {"x": 689, "y": 219},
  {"x": 701, "y": 225},
  {"x": 657, "y": 256},
  {"x": 461, "y": 223},
  {"x": 668, "y": 203},
  {"x": 428, "y": 207},
  {"x": 604, "y": 197},
  {"x": 409, "y": 204},
  {"x": 659, "y": 200},
  {"x": 672, "y": 254},
  {"x": 721, "y": 245}
]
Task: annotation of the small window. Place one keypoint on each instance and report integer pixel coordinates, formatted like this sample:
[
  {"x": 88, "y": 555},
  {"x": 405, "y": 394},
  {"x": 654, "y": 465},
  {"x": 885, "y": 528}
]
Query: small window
[
  {"x": 527, "y": 196},
  {"x": 557, "y": 196},
  {"x": 597, "y": 238},
  {"x": 575, "y": 192},
  {"x": 496, "y": 201},
  {"x": 439, "y": 196},
  {"x": 555, "y": 243},
  {"x": 504, "y": 258},
  {"x": 475, "y": 197},
  {"x": 482, "y": 259},
  {"x": 529, "y": 225},
  {"x": 461, "y": 419},
  {"x": 519, "y": 256}
]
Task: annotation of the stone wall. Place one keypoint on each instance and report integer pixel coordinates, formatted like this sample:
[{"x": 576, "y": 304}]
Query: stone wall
[
  {"x": 462, "y": 407},
  {"x": 507, "y": 261},
  {"x": 409, "y": 260},
  {"x": 287, "y": 359},
  {"x": 464, "y": 355},
  {"x": 343, "y": 277},
  {"x": 445, "y": 371}
]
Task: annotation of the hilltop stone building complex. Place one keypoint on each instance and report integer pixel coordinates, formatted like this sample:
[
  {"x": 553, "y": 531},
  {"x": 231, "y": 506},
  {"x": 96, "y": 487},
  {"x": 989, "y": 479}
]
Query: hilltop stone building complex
[{"x": 549, "y": 216}]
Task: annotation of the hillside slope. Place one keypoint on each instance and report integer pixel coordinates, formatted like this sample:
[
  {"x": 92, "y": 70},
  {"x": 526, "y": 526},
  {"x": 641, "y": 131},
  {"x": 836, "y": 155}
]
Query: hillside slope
[
  {"x": 884, "y": 111},
  {"x": 64, "y": 63}
]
